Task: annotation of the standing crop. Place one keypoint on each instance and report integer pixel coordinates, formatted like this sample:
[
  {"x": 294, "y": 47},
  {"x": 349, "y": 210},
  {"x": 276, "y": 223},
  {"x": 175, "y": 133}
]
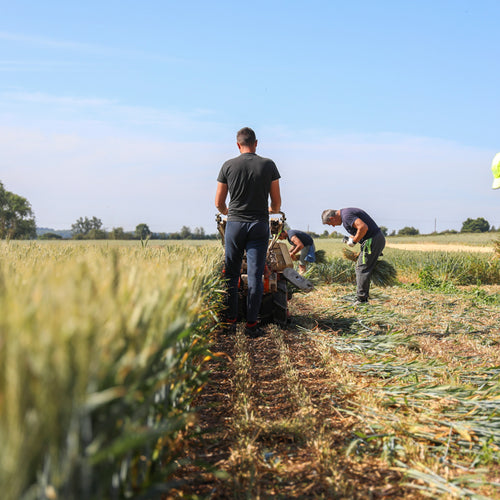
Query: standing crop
[{"x": 101, "y": 353}]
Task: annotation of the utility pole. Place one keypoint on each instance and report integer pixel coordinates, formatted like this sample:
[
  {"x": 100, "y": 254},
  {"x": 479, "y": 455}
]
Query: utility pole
[{"x": 435, "y": 224}]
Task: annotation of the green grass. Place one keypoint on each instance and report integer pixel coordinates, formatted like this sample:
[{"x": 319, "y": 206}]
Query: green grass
[
  {"x": 473, "y": 239},
  {"x": 456, "y": 268}
]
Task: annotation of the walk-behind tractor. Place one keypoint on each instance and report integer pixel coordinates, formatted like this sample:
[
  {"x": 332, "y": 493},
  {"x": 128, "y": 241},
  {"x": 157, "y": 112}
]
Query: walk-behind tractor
[{"x": 279, "y": 273}]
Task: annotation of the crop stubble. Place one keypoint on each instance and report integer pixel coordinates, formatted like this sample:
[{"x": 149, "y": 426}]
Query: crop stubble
[{"x": 282, "y": 414}]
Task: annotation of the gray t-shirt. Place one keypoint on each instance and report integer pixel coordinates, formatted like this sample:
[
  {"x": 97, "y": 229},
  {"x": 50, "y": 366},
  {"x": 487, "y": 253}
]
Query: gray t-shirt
[
  {"x": 248, "y": 178},
  {"x": 349, "y": 215}
]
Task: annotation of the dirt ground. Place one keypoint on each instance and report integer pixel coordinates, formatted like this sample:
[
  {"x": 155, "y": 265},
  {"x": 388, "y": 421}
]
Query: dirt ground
[
  {"x": 279, "y": 414},
  {"x": 284, "y": 447}
]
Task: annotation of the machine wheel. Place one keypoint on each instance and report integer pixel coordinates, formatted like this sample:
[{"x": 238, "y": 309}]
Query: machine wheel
[
  {"x": 274, "y": 306},
  {"x": 280, "y": 304},
  {"x": 266, "y": 309}
]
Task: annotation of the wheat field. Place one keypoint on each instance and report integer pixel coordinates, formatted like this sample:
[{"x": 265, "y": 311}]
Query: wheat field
[
  {"x": 101, "y": 352},
  {"x": 116, "y": 380}
]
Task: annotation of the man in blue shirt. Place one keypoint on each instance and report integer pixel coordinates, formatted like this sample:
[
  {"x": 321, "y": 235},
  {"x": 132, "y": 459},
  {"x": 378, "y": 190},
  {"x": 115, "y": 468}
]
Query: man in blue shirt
[
  {"x": 363, "y": 230},
  {"x": 302, "y": 247}
]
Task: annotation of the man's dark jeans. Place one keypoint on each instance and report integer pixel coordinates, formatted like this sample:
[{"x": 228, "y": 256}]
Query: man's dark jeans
[
  {"x": 367, "y": 260},
  {"x": 254, "y": 238}
]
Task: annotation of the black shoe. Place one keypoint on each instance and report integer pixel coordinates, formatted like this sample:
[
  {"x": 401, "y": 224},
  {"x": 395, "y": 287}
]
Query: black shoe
[{"x": 254, "y": 332}]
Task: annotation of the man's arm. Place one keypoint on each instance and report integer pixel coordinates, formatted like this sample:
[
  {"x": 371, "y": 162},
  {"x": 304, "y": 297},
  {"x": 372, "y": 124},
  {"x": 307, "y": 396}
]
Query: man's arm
[
  {"x": 220, "y": 198},
  {"x": 361, "y": 230},
  {"x": 275, "y": 197},
  {"x": 298, "y": 246}
]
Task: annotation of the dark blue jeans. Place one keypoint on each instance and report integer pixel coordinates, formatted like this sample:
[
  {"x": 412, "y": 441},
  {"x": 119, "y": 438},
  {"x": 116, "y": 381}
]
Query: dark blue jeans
[{"x": 254, "y": 238}]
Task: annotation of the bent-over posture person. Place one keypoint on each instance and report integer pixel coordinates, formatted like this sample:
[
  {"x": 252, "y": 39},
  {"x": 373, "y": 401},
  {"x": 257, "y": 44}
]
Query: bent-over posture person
[
  {"x": 302, "y": 247},
  {"x": 363, "y": 230}
]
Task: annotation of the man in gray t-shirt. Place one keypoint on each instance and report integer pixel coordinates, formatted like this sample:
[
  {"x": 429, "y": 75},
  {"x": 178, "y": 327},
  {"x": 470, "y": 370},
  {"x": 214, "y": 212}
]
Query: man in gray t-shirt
[
  {"x": 250, "y": 180},
  {"x": 363, "y": 230}
]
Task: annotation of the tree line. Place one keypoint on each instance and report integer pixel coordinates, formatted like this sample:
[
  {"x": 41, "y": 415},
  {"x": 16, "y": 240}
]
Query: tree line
[
  {"x": 91, "y": 229},
  {"x": 17, "y": 221},
  {"x": 86, "y": 228}
]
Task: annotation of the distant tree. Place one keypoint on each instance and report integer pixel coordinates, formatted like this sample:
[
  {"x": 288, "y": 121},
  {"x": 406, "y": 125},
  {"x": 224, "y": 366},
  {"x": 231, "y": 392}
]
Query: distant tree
[
  {"x": 142, "y": 231},
  {"x": 50, "y": 236},
  {"x": 478, "y": 225},
  {"x": 408, "y": 231},
  {"x": 336, "y": 234},
  {"x": 199, "y": 233},
  {"x": 117, "y": 233},
  {"x": 82, "y": 227},
  {"x": 325, "y": 234},
  {"x": 96, "y": 234},
  {"x": 17, "y": 220},
  {"x": 185, "y": 233},
  {"x": 384, "y": 230}
]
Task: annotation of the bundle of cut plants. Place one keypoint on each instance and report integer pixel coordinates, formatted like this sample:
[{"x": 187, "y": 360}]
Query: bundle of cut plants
[
  {"x": 321, "y": 257},
  {"x": 384, "y": 273}
]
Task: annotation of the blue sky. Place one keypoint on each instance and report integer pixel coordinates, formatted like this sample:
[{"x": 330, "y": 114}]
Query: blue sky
[{"x": 126, "y": 110}]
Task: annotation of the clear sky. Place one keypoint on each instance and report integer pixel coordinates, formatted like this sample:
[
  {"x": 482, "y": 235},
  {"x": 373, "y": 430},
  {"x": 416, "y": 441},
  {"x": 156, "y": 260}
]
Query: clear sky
[{"x": 126, "y": 110}]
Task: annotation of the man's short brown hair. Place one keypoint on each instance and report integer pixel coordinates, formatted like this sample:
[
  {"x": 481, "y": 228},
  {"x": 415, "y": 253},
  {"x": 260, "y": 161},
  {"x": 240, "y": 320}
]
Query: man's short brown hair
[{"x": 246, "y": 137}]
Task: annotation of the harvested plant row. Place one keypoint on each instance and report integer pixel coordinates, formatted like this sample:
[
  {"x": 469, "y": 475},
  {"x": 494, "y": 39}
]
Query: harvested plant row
[{"x": 426, "y": 404}]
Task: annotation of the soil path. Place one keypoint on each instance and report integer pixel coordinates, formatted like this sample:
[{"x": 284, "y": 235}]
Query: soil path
[
  {"x": 270, "y": 423},
  {"x": 430, "y": 247}
]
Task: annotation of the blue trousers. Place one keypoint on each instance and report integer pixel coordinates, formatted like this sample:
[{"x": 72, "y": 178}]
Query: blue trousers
[{"x": 254, "y": 238}]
